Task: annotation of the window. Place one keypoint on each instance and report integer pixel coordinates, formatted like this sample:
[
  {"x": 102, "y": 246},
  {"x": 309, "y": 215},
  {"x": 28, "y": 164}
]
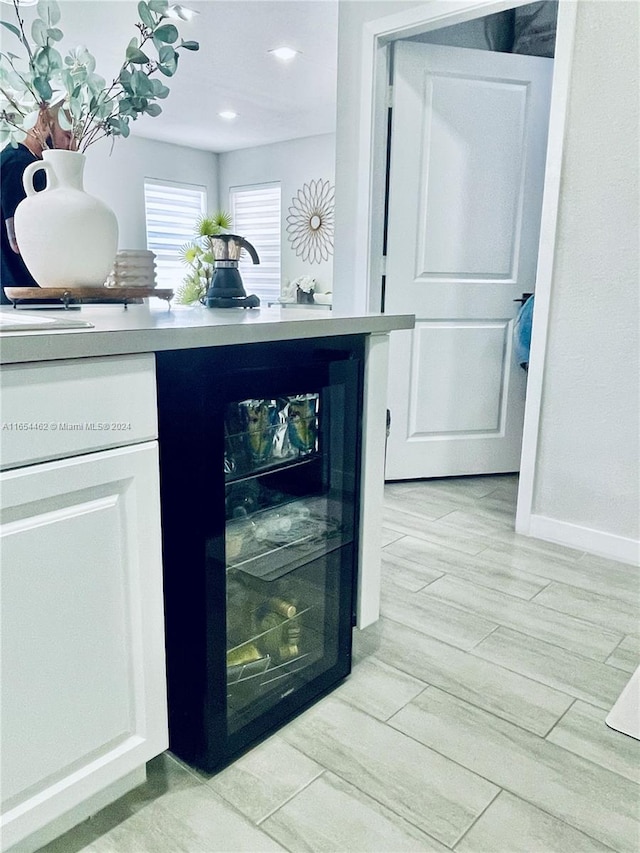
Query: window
[
  {"x": 256, "y": 217},
  {"x": 172, "y": 211}
]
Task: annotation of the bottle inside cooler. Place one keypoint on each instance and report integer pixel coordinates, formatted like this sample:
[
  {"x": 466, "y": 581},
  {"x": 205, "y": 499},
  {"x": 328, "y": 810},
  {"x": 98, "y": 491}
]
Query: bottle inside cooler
[{"x": 281, "y": 520}]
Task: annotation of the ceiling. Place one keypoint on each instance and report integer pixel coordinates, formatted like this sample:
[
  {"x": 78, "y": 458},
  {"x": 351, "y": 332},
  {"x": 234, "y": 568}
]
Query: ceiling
[{"x": 232, "y": 70}]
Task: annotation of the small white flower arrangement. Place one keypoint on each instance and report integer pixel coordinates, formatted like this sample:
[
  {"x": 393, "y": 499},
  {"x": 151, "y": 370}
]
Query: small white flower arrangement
[
  {"x": 298, "y": 290},
  {"x": 305, "y": 283},
  {"x": 304, "y": 287}
]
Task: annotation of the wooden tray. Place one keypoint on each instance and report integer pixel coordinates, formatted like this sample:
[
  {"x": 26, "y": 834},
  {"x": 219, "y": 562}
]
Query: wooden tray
[{"x": 78, "y": 295}]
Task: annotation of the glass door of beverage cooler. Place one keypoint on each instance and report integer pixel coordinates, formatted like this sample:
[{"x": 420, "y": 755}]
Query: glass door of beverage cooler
[
  {"x": 286, "y": 513},
  {"x": 261, "y": 627}
]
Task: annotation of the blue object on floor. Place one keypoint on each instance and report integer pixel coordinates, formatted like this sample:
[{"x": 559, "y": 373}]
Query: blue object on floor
[{"x": 522, "y": 333}]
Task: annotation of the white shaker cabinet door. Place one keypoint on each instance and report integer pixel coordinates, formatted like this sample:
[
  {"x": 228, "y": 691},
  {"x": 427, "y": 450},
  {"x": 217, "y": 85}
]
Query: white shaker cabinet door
[{"x": 83, "y": 674}]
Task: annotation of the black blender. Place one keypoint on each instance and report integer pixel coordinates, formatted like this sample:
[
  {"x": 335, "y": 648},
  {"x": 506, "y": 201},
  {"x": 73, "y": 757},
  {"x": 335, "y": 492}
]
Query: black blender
[{"x": 227, "y": 290}]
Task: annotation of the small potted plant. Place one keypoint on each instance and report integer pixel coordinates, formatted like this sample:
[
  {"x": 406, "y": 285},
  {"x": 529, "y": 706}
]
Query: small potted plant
[
  {"x": 198, "y": 256},
  {"x": 304, "y": 288}
]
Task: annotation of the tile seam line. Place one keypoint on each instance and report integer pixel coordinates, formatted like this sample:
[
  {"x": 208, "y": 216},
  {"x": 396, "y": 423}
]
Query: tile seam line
[
  {"x": 498, "y": 625},
  {"x": 549, "y": 814},
  {"x": 555, "y": 646},
  {"x": 519, "y": 796},
  {"x": 323, "y": 771},
  {"x": 389, "y": 808},
  {"x": 476, "y": 707},
  {"x": 463, "y": 609},
  {"x": 475, "y": 821},
  {"x": 471, "y": 652},
  {"x": 541, "y": 578},
  {"x": 579, "y": 618},
  {"x": 214, "y": 792}
]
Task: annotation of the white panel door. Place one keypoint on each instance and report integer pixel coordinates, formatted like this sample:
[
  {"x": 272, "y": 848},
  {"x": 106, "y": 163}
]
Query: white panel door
[
  {"x": 468, "y": 147},
  {"x": 83, "y": 672}
]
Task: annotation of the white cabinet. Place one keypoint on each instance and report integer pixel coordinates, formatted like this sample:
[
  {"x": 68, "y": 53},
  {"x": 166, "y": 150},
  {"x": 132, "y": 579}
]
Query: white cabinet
[{"x": 83, "y": 674}]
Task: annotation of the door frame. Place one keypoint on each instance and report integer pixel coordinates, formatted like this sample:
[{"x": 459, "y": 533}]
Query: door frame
[{"x": 376, "y": 36}]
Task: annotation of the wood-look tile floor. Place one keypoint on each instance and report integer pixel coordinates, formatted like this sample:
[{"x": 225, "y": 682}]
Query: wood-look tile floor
[{"x": 473, "y": 719}]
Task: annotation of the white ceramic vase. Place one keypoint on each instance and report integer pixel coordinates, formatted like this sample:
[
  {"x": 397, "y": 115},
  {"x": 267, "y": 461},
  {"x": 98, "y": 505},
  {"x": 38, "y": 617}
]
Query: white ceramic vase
[{"x": 67, "y": 238}]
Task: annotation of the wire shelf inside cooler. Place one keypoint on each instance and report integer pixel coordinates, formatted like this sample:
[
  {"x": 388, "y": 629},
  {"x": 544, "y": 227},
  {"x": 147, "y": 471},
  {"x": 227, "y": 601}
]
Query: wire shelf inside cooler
[
  {"x": 272, "y": 542},
  {"x": 269, "y": 433},
  {"x": 281, "y": 653}
]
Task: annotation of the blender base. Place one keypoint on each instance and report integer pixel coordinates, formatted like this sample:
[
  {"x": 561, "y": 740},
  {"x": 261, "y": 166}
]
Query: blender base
[{"x": 232, "y": 301}]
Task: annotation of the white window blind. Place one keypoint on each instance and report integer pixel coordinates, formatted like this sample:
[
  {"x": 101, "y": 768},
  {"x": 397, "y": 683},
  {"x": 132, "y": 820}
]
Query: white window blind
[
  {"x": 255, "y": 212},
  {"x": 172, "y": 211}
]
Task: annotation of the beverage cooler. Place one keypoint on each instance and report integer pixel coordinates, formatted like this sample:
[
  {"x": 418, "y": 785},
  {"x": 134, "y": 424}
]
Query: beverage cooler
[{"x": 259, "y": 466}]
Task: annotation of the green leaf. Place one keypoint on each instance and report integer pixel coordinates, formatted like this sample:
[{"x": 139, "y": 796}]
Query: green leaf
[
  {"x": 55, "y": 34},
  {"x": 75, "y": 107},
  {"x": 12, "y": 28},
  {"x": 46, "y": 60},
  {"x": 126, "y": 80},
  {"x": 159, "y": 6},
  {"x": 42, "y": 87},
  {"x": 125, "y": 107},
  {"x": 39, "y": 32},
  {"x": 153, "y": 109},
  {"x": 136, "y": 56},
  {"x": 168, "y": 61},
  {"x": 49, "y": 11},
  {"x": 55, "y": 60},
  {"x": 159, "y": 90},
  {"x": 166, "y": 33},
  {"x": 96, "y": 83},
  {"x": 190, "y": 45},
  {"x": 54, "y": 12},
  {"x": 145, "y": 15},
  {"x": 141, "y": 84},
  {"x": 138, "y": 104}
]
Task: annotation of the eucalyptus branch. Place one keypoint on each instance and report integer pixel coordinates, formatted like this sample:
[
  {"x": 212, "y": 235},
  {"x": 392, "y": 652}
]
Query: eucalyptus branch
[
  {"x": 13, "y": 103},
  {"x": 23, "y": 38},
  {"x": 92, "y": 136},
  {"x": 34, "y": 95},
  {"x": 92, "y": 109},
  {"x": 5, "y": 116},
  {"x": 89, "y": 141}
]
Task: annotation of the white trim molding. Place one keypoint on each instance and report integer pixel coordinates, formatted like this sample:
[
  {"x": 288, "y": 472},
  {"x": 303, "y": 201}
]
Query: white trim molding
[
  {"x": 546, "y": 253},
  {"x": 585, "y": 539}
]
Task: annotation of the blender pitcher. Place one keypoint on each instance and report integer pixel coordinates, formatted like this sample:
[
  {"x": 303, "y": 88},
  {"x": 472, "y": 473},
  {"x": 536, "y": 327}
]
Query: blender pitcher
[{"x": 227, "y": 290}]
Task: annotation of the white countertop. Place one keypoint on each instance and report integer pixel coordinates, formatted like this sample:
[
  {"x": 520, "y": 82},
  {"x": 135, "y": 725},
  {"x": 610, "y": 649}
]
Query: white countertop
[{"x": 147, "y": 328}]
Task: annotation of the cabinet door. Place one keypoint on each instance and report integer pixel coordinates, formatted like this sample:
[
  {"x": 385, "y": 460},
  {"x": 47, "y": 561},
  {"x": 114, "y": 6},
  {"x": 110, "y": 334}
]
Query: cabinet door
[{"x": 83, "y": 675}]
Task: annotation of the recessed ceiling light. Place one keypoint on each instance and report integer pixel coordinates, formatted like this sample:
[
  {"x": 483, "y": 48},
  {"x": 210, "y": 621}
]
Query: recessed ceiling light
[
  {"x": 228, "y": 114},
  {"x": 284, "y": 54}
]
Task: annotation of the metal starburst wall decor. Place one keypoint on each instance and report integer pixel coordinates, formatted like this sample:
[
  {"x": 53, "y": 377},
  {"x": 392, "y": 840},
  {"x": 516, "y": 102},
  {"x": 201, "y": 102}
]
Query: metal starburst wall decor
[{"x": 310, "y": 221}]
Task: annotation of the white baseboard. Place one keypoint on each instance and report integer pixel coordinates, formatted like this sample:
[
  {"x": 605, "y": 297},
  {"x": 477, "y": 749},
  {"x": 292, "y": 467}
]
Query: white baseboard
[
  {"x": 72, "y": 818},
  {"x": 585, "y": 539}
]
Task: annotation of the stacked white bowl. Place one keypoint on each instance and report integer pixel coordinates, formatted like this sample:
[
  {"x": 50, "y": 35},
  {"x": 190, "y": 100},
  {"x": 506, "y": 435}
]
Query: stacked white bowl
[{"x": 133, "y": 268}]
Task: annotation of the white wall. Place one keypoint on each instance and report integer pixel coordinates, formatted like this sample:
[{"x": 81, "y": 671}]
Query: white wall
[
  {"x": 352, "y": 16},
  {"x": 293, "y": 163},
  {"x": 118, "y": 178},
  {"x": 587, "y": 468}
]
